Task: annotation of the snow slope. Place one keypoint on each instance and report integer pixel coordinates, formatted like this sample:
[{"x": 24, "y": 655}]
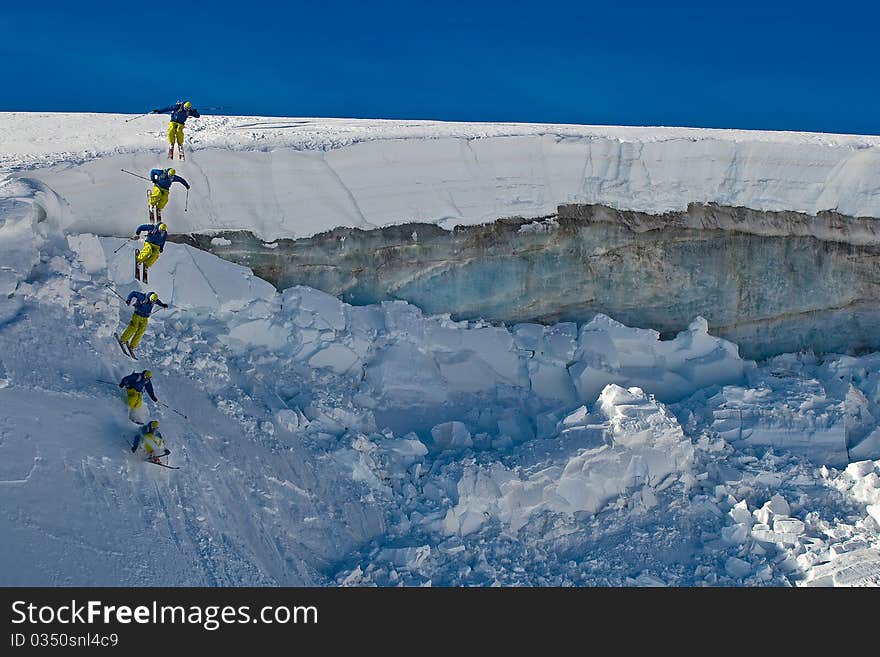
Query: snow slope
[
  {"x": 330, "y": 444},
  {"x": 295, "y": 177}
]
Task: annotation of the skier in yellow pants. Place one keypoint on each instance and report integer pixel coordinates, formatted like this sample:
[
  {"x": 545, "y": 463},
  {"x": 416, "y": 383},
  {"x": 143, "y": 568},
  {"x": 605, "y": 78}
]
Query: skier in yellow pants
[
  {"x": 135, "y": 384},
  {"x": 180, "y": 112},
  {"x": 154, "y": 243},
  {"x": 158, "y": 199},
  {"x": 152, "y": 440},
  {"x": 162, "y": 180},
  {"x": 143, "y": 306}
]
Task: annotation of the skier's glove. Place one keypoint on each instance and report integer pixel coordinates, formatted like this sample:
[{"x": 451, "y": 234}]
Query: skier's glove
[{"x": 120, "y": 385}]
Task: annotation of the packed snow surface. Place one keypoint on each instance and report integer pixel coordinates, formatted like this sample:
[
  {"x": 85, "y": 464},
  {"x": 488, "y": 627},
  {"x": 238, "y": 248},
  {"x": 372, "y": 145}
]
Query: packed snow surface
[
  {"x": 322, "y": 443},
  {"x": 295, "y": 177}
]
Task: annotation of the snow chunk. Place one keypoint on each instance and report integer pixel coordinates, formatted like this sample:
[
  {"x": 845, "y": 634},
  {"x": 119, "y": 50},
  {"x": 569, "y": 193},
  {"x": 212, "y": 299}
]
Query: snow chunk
[
  {"x": 335, "y": 357},
  {"x": 647, "y": 447},
  {"x": 324, "y": 310},
  {"x": 609, "y": 352},
  {"x": 258, "y": 333},
  {"x": 738, "y": 568},
  {"x": 291, "y": 420},
  {"x": 89, "y": 252},
  {"x": 450, "y": 436}
]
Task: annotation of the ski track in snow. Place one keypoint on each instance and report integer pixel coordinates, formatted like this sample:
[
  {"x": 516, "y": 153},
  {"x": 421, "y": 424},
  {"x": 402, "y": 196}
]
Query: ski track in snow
[{"x": 335, "y": 445}]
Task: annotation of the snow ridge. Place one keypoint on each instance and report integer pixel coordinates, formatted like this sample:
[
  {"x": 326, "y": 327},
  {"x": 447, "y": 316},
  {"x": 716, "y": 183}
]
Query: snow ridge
[{"x": 317, "y": 174}]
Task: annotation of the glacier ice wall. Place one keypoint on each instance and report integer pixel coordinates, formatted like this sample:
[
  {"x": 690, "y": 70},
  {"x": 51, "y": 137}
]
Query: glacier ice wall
[{"x": 772, "y": 282}]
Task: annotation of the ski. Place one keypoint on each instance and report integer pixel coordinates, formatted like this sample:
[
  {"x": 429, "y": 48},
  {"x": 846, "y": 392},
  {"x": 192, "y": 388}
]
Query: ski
[
  {"x": 121, "y": 344},
  {"x": 164, "y": 465},
  {"x": 180, "y": 152},
  {"x": 171, "y": 152},
  {"x": 137, "y": 273},
  {"x": 144, "y": 273}
]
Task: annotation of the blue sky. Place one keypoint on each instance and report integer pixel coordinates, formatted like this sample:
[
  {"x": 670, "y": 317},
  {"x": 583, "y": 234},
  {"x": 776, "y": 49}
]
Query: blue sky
[{"x": 770, "y": 65}]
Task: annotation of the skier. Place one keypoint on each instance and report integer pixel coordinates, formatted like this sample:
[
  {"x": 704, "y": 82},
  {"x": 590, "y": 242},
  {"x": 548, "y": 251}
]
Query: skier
[
  {"x": 162, "y": 180},
  {"x": 180, "y": 112},
  {"x": 135, "y": 384},
  {"x": 152, "y": 440},
  {"x": 143, "y": 306},
  {"x": 154, "y": 244}
]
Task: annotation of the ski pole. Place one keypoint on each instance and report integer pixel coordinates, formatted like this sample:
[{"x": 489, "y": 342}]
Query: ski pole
[
  {"x": 185, "y": 205},
  {"x": 107, "y": 285},
  {"x": 135, "y": 175},
  {"x": 136, "y": 117},
  {"x": 173, "y": 409},
  {"x": 121, "y": 245}
]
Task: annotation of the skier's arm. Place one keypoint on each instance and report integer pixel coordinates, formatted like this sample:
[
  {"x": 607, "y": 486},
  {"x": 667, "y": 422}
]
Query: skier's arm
[
  {"x": 194, "y": 112},
  {"x": 180, "y": 180},
  {"x": 131, "y": 295},
  {"x": 149, "y": 389},
  {"x": 163, "y": 110},
  {"x": 142, "y": 228},
  {"x": 162, "y": 303}
]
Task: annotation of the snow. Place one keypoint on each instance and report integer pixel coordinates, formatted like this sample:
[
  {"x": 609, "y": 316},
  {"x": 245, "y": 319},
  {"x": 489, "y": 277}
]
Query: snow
[
  {"x": 326, "y": 444},
  {"x": 295, "y": 177},
  {"x": 629, "y": 442}
]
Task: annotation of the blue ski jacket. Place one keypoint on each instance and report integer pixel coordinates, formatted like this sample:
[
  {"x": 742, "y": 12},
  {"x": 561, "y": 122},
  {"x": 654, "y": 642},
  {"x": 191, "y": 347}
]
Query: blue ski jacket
[
  {"x": 154, "y": 235},
  {"x": 142, "y": 305},
  {"x": 161, "y": 179},
  {"x": 139, "y": 382},
  {"x": 179, "y": 114}
]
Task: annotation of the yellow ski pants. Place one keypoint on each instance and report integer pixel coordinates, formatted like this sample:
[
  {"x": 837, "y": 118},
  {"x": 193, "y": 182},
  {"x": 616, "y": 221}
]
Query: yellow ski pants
[
  {"x": 159, "y": 197},
  {"x": 135, "y": 329},
  {"x": 133, "y": 398},
  {"x": 149, "y": 255},
  {"x": 175, "y": 132},
  {"x": 153, "y": 442}
]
